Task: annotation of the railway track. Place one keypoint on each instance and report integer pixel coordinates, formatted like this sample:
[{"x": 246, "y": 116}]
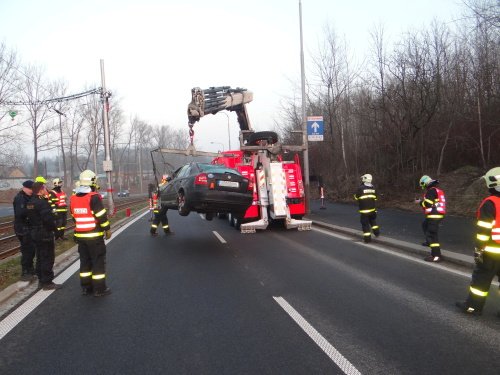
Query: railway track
[{"x": 9, "y": 244}]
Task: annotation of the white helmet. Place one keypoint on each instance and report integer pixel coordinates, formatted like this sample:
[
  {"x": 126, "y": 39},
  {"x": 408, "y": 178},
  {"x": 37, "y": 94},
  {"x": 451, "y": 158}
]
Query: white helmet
[
  {"x": 425, "y": 181},
  {"x": 367, "y": 178},
  {"x": 57, "y": 182},
  {"x": 492, "y": 178},
  {"x": 88, "y": 178}
]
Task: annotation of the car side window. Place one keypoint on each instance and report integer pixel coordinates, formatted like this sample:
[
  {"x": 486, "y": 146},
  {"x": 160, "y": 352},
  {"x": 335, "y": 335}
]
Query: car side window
[{"x": 182, "y": 172}]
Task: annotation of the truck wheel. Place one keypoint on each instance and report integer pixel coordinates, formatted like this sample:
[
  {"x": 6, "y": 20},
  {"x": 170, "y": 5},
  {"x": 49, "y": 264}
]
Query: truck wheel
[
  {"x": 182, "y": 206},
  {"x": 269, "y": 136}
]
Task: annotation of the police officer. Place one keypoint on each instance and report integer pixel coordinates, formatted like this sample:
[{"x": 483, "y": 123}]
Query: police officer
[
  {"x": 366, "y": 196},
  {"x": 58, "y": 202},
  {"x": 21, "y": 228},
  {"x": 487, "y": 250},
  {"x": 91, "y": 227},
  {"x": 160, "y": 211},
  {"x": 434, "y": 205},
  {"x": 42, "y": 227}
]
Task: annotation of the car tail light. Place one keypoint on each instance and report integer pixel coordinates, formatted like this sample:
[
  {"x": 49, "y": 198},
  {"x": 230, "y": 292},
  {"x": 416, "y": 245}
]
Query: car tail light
[{"x": 201, "y": 179}]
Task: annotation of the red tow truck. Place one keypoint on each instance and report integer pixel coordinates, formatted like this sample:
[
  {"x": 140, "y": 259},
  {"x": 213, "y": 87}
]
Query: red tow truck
[{"x": 278, "y": 191}]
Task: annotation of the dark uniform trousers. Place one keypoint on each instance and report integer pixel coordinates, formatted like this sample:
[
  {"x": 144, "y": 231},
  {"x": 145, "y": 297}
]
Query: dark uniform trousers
[
  {"x": 45, "y": 253},
  {"x": 92, "y": 263},
  {"x": 482, "y": 276},
  {"x": 61, "y": 220},
  {"x": 369, "y": 221},
  {"x": 27, "y": 254},
  {"x": 160, "y": 216},
  {"x": 431, "y": 229}
]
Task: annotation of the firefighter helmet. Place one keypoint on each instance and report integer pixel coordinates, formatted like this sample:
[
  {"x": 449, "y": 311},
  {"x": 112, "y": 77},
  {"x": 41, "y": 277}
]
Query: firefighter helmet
[
  {"x": 41, "y": 179},
  {"x": 88, "y": 178},
  {"x": 57, "y": 182},
  {"x": 367, "y": 178},
  {"x": 425, "y": 181},
  {"x": 492, "y": 178}
]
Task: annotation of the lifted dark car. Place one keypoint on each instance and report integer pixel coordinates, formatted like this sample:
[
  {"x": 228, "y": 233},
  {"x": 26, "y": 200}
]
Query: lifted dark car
[{"x": 208, "y": 189}]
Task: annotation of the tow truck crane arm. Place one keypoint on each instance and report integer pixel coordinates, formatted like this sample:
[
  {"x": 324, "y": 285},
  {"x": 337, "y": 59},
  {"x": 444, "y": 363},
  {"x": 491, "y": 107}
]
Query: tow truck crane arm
[{"x": 215, "y": 99}]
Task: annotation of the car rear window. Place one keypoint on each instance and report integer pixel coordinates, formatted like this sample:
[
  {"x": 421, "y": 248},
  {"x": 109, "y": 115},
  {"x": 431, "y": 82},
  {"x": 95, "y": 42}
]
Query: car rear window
[{"x": 217, "y": 169}]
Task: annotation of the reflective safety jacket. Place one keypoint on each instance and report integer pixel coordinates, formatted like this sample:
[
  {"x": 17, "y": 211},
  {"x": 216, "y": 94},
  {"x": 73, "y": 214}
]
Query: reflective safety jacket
[
  {"x": 488, "y": 225},
  {"x": 434, "y": 203},
  {"x": 58, "y": 200},
  {"x": 366, "y": 196},
  {"x": 90, "y": 216}
]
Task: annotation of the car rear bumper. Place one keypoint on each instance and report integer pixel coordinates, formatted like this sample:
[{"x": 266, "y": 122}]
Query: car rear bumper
[{"x": 219, "y": 201}]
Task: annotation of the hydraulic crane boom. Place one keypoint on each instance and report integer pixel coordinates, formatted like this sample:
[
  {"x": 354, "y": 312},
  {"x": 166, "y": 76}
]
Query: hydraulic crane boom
[{"x": 215, "y": 99}]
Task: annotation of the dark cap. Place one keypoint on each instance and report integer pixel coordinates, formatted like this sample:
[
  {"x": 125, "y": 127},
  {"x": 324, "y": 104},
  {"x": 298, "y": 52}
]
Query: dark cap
[{"x": 28, "y": 184}]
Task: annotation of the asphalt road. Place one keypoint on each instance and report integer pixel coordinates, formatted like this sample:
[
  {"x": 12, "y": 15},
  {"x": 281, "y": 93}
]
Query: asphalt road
[{"x": 188, "y": 303}]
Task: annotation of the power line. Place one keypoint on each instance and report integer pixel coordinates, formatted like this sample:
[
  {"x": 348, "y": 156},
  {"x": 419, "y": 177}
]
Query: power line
[{"x": 60, "y": 99}]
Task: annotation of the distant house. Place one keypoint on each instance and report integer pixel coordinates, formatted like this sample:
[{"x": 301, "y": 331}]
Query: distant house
[{"x": 11, "y": 172}]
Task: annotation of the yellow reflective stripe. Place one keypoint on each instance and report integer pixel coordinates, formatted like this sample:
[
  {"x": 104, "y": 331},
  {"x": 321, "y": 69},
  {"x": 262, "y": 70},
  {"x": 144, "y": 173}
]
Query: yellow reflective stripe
[
  {"x": 100, "y": 213},
  {"x": 165, "y": 226},
  {"x": 105, "y": 224},
  {"x": 484, "y": 224},
  {"x": 435, "y": 216},
  {"x": 154, "y": 226},
  {"x": 428, "y": 201},
  {"x": 492, "y": 249},
  {"x": 366, "y": 211},
  {"x": 98, "y": 277},
  {"x": 367, "y": 234},
  {"x": 478, "y": 292},
  {"x": 61, "y": 210},
  {"x": 88, "y": 235},
  {"x": 434, "y": 245},
  {"x": 368, "y": 196},
  {"x": 85, "y": 274},
  {"x": 482, "y": 237},
  {"x": 375, "y": 227}
]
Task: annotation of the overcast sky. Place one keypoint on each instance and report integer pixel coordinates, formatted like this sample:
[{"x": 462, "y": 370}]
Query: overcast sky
[{"x": 155, "y": 51}]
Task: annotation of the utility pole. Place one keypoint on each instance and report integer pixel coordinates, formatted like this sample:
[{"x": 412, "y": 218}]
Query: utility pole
[
  {"x": 107, "y": 163},
  {"x": 304, "y": 118},
  {"x": 62, "y": 147}
]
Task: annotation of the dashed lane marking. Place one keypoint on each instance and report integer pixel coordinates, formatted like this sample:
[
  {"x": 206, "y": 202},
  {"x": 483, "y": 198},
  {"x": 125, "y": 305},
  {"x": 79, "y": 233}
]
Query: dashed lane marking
[
  {"x": 324, "y": 345},
  {"x": 219, "y": 237},
  {"x": 15, "y": 317}
]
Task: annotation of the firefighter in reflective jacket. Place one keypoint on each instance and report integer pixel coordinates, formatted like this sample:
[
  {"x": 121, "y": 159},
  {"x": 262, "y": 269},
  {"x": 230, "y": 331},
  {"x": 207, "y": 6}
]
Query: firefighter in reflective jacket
[
  {"x": 487, "y": 250},
  {"x": 434, "y": 205},
  {"x": 160, "y": 211},
  {"x": 58, "y": 202},
  {"x": 366, "y": 196},
  {"x": 91, "y": 227}
]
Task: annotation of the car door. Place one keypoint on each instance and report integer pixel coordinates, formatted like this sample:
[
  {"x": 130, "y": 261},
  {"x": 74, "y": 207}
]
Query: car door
[{"x": 169, "y": 192}]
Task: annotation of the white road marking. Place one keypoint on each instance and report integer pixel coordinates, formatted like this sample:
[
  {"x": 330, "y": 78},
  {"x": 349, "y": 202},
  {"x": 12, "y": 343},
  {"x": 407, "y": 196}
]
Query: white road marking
[
  {"x": 15, "y": 317},
  {"x": 219, "y": 237},
  {"x": 404, "y": 256},
  {"x": 324, "y": 345}
]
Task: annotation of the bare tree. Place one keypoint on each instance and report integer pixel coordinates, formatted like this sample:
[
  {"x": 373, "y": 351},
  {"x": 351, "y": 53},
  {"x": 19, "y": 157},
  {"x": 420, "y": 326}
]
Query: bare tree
[{"x": 34, "y": 95}]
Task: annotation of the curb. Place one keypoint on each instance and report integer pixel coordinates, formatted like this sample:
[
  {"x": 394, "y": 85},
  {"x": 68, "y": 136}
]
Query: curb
[{"x": 449, "y": 256}]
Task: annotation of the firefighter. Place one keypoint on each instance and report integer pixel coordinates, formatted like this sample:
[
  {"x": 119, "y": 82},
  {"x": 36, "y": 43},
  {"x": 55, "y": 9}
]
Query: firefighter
[
  {"x": 42, "y": 227},
  {"x": 58, "y": 200},
  {"x": 91, "y": 227},
  {"x": 434, "y": 205},
  {"x": 487, "y": 249},
  {"x": 366, "y": 196},
  {"x": 160, "y": 211},
  {"x": 21, "y": 228}
]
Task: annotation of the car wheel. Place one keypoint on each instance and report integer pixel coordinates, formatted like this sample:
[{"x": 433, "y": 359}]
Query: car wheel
[
  {"x": 181, "y": 204},
  {"x": 269, "y": 136},
  {"x": 209, "y": 216}
]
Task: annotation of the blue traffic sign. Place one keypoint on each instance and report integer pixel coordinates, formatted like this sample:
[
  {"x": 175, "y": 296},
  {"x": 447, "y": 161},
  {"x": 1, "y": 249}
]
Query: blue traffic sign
[{"x": 315, "y": 128}]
